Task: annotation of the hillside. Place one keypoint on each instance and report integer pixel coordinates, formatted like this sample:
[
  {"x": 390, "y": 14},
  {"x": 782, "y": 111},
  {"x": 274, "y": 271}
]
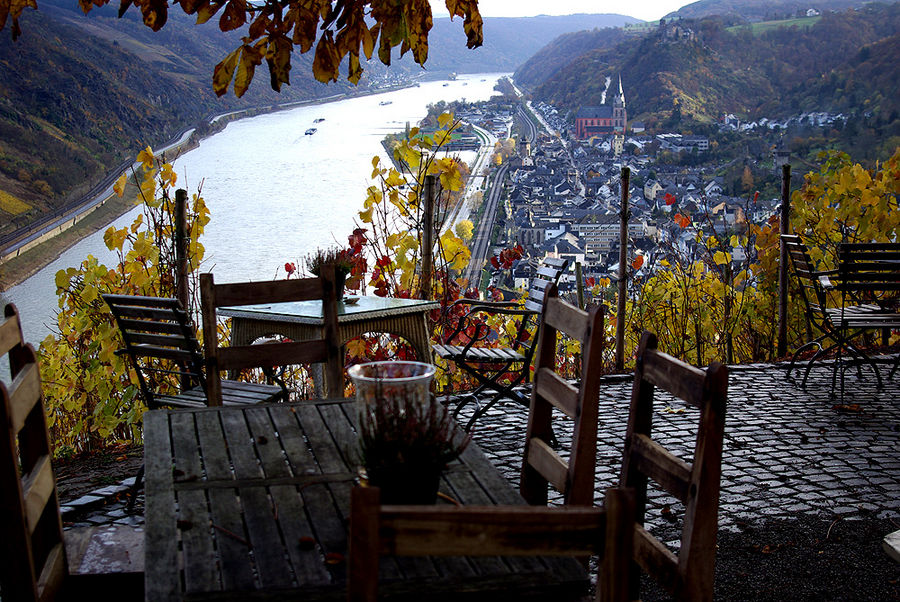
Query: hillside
[
  {"x": 508, "y": 42},
  {"x": 759, "y": 10},
  {"x": 697, "y": 70},
  {"x": 79, "y": 94}
]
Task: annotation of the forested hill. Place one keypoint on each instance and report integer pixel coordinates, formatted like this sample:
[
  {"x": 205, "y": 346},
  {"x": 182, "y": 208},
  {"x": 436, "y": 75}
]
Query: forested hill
[
  {"x": 508, "y": 42},
  {"x": 79, "y": 94},
  {"x": 701, "y": 69},
  {"x": 759, "y": 10}
]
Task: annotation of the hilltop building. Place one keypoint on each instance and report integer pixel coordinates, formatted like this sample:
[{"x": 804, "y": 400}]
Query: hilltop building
[{"x": 603, "y": 120}]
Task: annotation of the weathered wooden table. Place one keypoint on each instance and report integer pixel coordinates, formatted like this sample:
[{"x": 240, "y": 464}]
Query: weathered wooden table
[
  {"x": 253, "y": 503},
  {"x": 303, "y": 320}
]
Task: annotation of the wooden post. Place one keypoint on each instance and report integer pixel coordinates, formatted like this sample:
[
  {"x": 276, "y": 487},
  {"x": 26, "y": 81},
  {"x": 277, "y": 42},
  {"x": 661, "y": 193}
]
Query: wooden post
[
  {"x": 623, "y": 271},
  {"x": 181, "y": 260},
  {"x": 181, "y": 264},
  {"x": 579, "y": 279},
  {"x": 785, "y": 223},
  {"x": 428, "y": 235}
]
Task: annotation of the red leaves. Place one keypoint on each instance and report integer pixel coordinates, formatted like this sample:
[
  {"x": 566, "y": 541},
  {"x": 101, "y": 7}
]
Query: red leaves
[
  {"x": 507, "y": 257},
  {"x": 290, "y": 268},
  {"x": 756, "y": 196},
  {"x": 383, "y": 261},
  {"x": 637, "y": 262},
  {"x": 670, "y": 198},
  {"x": 357, "y": 240},
  {"x": 590, "y": 282},
  {"x": 683, "y": 221}
]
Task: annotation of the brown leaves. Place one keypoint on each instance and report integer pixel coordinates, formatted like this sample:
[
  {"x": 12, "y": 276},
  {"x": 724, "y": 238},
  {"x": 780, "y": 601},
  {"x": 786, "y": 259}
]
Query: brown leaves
[
  {"x": 235, "y": 16},
  {"x": 278, "y": 27},
  {"x": 278, "y": 57},
  {"x": 327, "y": 61}
]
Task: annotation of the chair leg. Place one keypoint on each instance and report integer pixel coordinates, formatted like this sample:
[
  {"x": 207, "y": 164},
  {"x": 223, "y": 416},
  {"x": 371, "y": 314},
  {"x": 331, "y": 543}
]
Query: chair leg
[{"x": 133, "y": 491}]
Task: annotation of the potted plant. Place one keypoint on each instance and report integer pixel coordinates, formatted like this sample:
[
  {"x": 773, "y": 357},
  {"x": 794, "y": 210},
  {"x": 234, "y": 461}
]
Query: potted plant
[
  {"x": 405, "y": 446},
  {"x": 339, "y": 258}
]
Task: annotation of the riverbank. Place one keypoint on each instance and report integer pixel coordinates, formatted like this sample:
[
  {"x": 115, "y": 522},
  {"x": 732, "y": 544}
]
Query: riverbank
[{"x": 17, "y": 269}]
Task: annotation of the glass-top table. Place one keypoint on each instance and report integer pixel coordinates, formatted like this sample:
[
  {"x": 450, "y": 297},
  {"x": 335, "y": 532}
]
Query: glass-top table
[{"x": 302, "y": 320}]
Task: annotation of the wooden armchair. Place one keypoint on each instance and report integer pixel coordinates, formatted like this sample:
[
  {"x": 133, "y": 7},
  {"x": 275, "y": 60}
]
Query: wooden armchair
[
  {"x": 497, "y": 370},
  {"x": 377, "y": 530},
  {"x": 39, "y": 563},
  {"x": 541, "y": 464},
  {"x": 690, "y": 574},
  {"x": 325, "y": 350},
  {"x": 159, "y": 339}
]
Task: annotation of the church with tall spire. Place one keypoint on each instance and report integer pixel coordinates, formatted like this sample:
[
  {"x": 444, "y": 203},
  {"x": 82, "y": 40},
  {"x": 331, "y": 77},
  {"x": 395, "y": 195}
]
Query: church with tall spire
[{"x": 603, "y": 120}]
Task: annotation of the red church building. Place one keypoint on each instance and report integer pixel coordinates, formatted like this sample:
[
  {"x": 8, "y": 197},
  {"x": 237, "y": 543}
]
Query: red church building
[{"x": 603, "y": 120}]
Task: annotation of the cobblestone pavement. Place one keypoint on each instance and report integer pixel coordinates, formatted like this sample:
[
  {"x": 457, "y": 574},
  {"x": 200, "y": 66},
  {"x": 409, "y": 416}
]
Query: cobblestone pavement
[{"x": 786, "y": 451}]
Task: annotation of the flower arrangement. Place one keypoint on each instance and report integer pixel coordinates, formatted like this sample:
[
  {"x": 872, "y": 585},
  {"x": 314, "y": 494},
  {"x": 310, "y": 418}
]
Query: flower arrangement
[
  {"x": 339, "y": 258},
  {"x": 405, "y": 445}
]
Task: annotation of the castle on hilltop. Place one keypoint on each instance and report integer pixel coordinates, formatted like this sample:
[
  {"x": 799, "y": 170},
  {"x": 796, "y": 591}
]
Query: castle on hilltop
[{"x": 604, "y": 120}]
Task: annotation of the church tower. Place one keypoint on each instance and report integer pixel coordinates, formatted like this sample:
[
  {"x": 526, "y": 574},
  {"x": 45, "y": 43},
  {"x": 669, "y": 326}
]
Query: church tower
[{"x": 620, "y": 117}]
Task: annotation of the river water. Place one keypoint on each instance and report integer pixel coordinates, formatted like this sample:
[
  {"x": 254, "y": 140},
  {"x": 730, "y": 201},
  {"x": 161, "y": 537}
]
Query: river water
[{"x": 275, "y": 194}]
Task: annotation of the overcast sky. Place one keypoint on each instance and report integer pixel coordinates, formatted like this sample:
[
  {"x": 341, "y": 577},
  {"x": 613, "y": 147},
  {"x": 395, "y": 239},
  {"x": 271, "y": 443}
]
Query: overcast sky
[{"x": 648, "y": 10}]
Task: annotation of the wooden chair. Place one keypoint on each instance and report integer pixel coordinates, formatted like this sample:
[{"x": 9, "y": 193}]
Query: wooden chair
[
  {"x": 159, "y": 339},
  {"x": 541, "y": 464},
  {"x": 465, "y": 346},
  {"x": 489, "y": 531},
  {"x": 38, "y": 562},
  {"x": 689, "y": 575},
  {"x": 838, "y": 326},
  {"x": 326, "y": 349}
]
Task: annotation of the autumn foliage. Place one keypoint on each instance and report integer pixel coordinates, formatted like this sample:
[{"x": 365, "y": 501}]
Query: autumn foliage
[{"x": 337, "y": 29}]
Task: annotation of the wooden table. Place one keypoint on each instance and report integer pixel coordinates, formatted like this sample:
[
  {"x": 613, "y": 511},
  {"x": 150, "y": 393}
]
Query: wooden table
[
  {"x": 303, "y": 320},
  {"x": 254, "y": 502}
]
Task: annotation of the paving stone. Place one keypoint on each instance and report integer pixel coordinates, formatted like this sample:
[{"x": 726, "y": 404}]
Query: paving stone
[{"x": 86, "y": 500}]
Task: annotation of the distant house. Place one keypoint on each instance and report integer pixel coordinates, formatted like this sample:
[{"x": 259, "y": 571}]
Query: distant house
[{"x": 637, "y": 127}]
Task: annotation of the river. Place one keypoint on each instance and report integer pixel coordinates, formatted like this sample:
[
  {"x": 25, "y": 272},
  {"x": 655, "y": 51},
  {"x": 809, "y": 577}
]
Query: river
[{"x": 275, "y": 194}]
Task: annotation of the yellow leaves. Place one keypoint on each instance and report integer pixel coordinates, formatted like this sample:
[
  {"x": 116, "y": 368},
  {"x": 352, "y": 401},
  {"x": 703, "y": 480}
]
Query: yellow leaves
[
  {"x": 455, "y": 251},
  {"x": 465, "y": 229},
  {"x": 168, "y": 175},
  {"x": 146, "y": 158},
  {"x": 444, "y": 119},
  {"x": 119, "y": 186},
  {"x": 721, "y": 258},
  {"x": 148, "y": 186},
  {"x": 114, "y": 239},
  {"x": 224, "y": 71},
  {"x": 450, "y": 174}
]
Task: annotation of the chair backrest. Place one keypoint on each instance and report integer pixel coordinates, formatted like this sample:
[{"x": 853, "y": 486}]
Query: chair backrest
[
  {"x": 541, "y": 464},
  {"x": 548, "y": 273},
  {"x": 690, "y": 574},
  {"x": 326, "y": 349},
  {"x": 811, "y": 289},
  {"x": 869, "y": 269},
  {"x": 159, "y": 338},
  {"x": 377, "y": 530},
  {"x": 34, "y": 558}
]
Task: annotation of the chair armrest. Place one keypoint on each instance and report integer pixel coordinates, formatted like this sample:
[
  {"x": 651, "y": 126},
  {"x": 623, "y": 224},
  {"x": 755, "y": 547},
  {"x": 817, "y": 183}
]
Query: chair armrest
[{"x": 484, "y": 302}]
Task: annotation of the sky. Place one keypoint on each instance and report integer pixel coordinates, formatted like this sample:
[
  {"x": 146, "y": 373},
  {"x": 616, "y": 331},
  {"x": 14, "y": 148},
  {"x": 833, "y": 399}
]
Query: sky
[{"x": 647, "y": 10}]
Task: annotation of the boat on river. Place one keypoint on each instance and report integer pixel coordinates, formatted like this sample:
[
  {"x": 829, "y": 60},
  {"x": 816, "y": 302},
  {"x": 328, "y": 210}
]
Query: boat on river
[
  {"x": 311, "y": 131},
  {"x": 318, "y": 120}
]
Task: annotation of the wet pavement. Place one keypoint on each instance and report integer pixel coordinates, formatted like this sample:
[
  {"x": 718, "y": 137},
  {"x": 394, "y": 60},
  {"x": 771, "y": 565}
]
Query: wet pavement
[{"x": 786, "y": 451}]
